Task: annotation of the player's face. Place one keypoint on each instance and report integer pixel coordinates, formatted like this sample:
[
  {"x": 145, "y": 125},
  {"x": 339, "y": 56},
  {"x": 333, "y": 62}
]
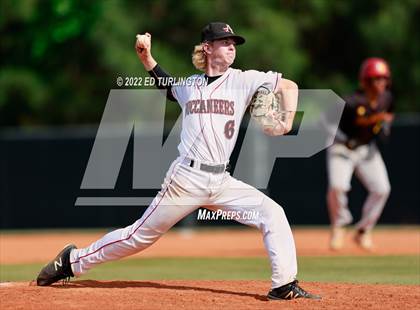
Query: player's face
[
  {"x": 378, "y": 84},
  {"x": 223, "y": 51}
]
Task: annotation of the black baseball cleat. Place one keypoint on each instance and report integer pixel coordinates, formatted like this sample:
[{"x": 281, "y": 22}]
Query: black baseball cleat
[
  {"x": 57, "y": 269},
  {"x": 290, "y": 291}
]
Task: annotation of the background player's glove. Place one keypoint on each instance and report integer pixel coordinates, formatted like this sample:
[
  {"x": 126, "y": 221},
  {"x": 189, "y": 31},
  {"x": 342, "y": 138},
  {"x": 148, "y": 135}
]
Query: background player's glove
[{"x": 265, "y": 110}]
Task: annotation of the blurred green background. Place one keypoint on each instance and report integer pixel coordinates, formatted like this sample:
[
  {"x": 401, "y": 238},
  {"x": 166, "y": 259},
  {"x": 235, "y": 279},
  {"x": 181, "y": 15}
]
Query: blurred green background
[{"x": 60, "y": 58}]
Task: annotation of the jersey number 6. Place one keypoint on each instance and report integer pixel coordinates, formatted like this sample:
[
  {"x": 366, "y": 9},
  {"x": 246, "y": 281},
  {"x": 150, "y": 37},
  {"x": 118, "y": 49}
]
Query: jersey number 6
[{"x": 229, "y": 129}]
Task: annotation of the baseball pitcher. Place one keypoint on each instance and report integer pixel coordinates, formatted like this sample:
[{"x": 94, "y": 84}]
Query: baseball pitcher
[{"x": 211, "y": 114}]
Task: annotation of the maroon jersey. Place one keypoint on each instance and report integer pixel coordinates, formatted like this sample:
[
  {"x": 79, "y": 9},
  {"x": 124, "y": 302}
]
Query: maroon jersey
[{"x": 358, "y": 108}]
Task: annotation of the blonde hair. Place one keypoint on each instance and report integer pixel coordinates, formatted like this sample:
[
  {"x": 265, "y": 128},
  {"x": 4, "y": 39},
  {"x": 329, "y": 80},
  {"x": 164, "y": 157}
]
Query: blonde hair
[{"x": 199, "y": 58}]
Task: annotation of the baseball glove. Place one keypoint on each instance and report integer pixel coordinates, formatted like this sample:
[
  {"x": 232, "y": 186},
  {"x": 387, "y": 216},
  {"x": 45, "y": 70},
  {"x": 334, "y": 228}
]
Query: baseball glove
[{"x": 265, "y": 110}]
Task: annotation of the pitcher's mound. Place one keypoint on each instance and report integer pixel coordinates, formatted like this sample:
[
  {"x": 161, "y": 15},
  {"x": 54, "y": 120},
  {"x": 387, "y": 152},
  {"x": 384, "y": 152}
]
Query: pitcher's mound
[{"x": 188, "y": 294}]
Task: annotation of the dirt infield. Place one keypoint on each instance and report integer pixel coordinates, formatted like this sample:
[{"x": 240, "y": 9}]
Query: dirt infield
[
  {"x": 200, "y": 295},
  {"x": 40, "y": 247},
  {"x": 187, "y": 294}
]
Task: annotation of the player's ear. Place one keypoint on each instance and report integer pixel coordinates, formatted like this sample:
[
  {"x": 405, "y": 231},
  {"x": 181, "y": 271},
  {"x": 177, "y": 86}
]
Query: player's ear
[{"x": 207, "y": 47}]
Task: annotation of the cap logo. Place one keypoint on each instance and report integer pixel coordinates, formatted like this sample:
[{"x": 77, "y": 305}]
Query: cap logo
[{"x": 227, "y": 29}]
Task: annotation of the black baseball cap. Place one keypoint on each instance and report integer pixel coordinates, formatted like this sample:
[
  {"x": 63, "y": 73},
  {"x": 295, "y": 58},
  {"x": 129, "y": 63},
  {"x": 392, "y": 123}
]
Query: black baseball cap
[{"x": 218, "y": 30}]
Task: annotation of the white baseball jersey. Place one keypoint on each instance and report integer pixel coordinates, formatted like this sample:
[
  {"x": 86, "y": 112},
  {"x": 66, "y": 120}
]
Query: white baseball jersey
[{"x": 213, "y": 113}]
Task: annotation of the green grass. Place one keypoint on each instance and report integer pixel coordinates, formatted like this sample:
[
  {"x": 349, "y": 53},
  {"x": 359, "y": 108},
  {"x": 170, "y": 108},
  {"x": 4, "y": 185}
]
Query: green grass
[
  {"x": 362, "y": 269},
  {"x": 366, "y": 269}
]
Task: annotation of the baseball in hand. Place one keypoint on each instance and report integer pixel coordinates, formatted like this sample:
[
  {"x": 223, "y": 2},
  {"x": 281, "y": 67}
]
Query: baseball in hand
[
  {"x": 143, "y": 42},
  {"x": 141, "y": 39}
]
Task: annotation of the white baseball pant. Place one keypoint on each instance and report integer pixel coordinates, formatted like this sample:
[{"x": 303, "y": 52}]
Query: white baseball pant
[
  {"x": 184, "y": 190},
  {"x": 366, "y": 161}
]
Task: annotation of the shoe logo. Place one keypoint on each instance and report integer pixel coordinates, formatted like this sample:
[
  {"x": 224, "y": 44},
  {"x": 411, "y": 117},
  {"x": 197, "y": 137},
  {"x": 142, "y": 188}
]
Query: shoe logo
[
  {"x": 58, "y": 263},
  {"x": 291, "y": 296}
]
